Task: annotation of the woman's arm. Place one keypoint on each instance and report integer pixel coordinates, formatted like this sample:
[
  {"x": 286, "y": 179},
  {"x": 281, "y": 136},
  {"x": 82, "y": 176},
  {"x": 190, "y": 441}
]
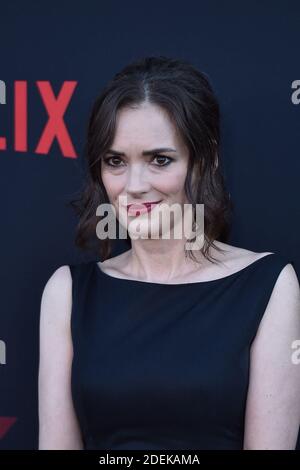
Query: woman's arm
[
  {"x": 273, "y": 404},
  {"x": 58, "y": 425}
]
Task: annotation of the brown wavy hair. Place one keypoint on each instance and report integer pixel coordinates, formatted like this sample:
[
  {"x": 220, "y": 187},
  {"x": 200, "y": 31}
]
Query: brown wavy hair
[{"x": 186, "y": 94}]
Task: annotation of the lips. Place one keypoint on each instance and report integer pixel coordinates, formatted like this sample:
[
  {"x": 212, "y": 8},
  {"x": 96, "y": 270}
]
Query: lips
[{"x": 146, "y": 206}]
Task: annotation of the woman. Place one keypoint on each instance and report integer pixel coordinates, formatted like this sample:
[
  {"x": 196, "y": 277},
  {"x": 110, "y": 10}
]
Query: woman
[{"x": 162, "y": 347}]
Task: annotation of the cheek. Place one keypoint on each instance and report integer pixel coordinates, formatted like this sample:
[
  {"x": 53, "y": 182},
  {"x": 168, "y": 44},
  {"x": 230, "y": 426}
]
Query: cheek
[
  {"x": 173, "y": 183},
  {"x": 112, "y": 184}
]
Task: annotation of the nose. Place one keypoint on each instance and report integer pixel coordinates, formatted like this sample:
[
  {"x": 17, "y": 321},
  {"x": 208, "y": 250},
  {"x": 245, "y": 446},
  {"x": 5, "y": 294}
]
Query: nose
[{"x": 137, "y": 180}]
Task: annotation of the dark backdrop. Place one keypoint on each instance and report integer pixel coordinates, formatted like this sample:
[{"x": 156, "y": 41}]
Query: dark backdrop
[{"x": 248, "y": 49}]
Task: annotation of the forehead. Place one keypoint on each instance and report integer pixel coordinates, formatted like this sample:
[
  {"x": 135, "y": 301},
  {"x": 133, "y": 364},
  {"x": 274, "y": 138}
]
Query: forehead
[{"x": 145, "y": 125}]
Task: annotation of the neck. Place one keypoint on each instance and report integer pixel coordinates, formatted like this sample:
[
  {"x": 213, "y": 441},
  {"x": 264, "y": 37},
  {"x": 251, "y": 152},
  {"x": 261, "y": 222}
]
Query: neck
[{"x": 161, "y": 260}]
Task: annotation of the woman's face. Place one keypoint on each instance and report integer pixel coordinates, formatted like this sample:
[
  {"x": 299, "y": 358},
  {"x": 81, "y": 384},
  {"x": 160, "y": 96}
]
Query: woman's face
[{"x": 156, "y": 176}]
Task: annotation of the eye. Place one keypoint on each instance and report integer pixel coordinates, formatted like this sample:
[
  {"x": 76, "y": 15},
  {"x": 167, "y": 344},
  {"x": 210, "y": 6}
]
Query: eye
[
  {"x": 159, "y": 157},
  {"x": 107, "y": 159}
]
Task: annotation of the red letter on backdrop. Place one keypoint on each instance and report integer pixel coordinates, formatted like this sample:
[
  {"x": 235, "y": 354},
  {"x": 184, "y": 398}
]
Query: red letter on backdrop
[
  {"x": 55, "y": 126},
  {"x": 2, "y": 101}
]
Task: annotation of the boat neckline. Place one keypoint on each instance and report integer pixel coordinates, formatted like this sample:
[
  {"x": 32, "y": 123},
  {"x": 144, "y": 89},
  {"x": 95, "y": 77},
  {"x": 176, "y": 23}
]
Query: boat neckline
[{"x": 139, "y": 281}]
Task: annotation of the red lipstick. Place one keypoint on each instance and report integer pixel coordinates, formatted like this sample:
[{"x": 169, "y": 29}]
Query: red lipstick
[{"x": 137, "y": 209}]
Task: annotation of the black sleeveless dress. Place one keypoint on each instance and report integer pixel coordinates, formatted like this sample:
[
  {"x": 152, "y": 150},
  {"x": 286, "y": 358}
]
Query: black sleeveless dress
[{"x": 165, "y": 366}]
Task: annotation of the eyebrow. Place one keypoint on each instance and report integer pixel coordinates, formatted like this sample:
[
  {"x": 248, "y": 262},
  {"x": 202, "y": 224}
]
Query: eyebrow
[{"x": 145, "y": 152}]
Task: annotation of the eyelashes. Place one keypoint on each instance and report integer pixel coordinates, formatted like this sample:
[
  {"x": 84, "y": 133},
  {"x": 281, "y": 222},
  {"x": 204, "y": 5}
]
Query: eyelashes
[{"x": 107, "y": 160}]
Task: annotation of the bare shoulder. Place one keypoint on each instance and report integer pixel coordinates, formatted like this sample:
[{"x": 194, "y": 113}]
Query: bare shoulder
[
  {"x": 116, "y": 264},
  {"x": 287, "y": 286},
  {"x": 273, "y": 409},
  {"x": 283, "y": 309},
  {"x": 59, "y": 279},
  {"x": 57, "y": 294},
  {"x": 287, "y": 280},
  {"x": 58, "y": 424},
  {"x": 239, "y": 252},
  {"x": 235, "y": 257}
]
